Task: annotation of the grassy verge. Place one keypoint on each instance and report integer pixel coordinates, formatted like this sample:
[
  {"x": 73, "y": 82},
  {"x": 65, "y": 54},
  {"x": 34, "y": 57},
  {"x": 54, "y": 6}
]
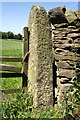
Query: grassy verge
[{"x": 11, "y": 48}]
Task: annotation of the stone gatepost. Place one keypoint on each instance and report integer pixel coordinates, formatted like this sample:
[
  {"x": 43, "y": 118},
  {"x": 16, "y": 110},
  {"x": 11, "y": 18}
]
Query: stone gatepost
[{"x": 40, "y": 78}]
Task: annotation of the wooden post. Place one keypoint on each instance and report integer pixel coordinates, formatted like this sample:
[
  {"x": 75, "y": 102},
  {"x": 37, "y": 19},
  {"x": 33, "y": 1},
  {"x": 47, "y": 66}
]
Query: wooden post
[{"x": 25, "y": 47}]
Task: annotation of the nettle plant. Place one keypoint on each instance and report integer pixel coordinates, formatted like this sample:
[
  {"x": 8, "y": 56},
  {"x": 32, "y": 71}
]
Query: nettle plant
[
  {"x": 19, "y": 107},
  {"x": 71, "y": 102}
]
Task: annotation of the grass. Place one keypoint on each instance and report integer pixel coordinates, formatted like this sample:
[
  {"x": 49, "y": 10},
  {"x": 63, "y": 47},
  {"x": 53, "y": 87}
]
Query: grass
[{"x": 11, "y": 48}]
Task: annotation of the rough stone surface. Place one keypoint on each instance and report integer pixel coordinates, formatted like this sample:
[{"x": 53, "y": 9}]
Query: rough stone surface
[
  {"x": 62, "y": 25},
  {"x": 66, "y": 73},
  {"x": 40, "y": 78},
  {"x": 73, "y": 18},
  {"x": 74, "y": 35},
  {"x": 64, "y": 87},
  {"x": 71, "y": 27},
  {"x": 56, "y": 15},
  {"x": 77, "y": 40},
  {"x": 70, "y": 16},
  {"x": 63, "y": 64},
  {"x": 77, "y": 13},
  {"x": 66, "y": 43},
  {"x": 67, "y": 57},
  {"x": 64, "y": 80}
]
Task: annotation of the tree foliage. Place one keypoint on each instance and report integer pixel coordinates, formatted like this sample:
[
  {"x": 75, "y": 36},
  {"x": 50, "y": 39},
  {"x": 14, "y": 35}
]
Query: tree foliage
[{"x": 10, "y": 35}]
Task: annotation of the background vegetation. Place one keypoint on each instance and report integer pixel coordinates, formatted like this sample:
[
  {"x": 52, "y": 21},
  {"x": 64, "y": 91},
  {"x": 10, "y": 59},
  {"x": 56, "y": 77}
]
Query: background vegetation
[{"x": 10, "y": 35}]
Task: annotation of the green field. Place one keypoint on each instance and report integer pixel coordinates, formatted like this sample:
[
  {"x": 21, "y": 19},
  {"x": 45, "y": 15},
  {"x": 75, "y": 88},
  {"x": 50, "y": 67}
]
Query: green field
[{"x": 11, "y": 48}]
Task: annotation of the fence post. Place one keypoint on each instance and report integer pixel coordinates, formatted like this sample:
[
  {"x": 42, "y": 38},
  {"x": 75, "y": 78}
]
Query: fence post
[{"x": 25, "y": 49}]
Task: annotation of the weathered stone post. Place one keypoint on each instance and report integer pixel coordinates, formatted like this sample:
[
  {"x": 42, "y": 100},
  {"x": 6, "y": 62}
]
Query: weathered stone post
[{"x": 40, "y": 78}]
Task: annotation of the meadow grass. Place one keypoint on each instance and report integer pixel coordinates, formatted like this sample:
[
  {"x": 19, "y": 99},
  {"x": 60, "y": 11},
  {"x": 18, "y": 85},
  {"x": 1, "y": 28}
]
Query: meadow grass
[{"x": 11, "y": 48}]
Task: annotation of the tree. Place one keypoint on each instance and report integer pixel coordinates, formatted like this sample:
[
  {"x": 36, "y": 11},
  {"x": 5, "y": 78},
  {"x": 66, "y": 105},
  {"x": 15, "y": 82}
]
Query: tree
[
  {"x": 4, "y": 35},
  {"x": 0, "y": 35},
  {"x": 10, "y": 35},
  {"x": 19, "y": 36}
]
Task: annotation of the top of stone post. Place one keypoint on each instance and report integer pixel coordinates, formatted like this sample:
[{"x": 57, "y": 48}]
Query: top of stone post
[{"x": 36, "y": 8}]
